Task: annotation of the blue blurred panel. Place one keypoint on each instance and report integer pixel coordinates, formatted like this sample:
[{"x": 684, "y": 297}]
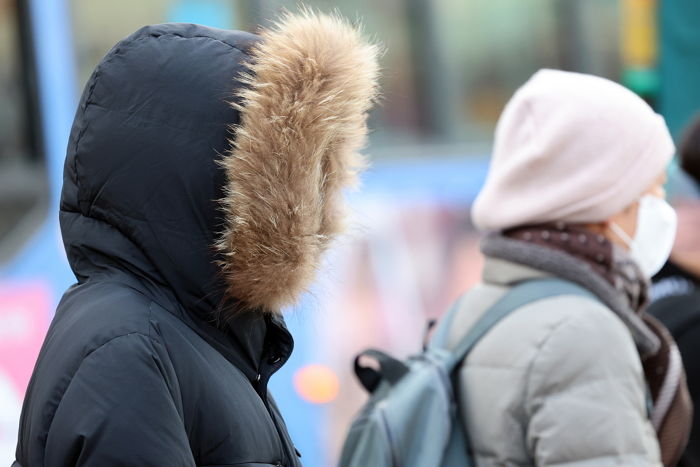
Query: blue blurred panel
[
  {"x": 42, "y": 257},
  {"x": 306, "y": 422},
  {"x": 448, "y": 180},
  {"x": 214, "y": 13},
  {"x": 53, "y": 48}
]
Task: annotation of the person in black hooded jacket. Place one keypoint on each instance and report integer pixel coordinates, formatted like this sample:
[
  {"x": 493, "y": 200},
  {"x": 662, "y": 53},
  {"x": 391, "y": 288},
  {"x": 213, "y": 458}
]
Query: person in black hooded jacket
[{"x": 202, "y": 183}]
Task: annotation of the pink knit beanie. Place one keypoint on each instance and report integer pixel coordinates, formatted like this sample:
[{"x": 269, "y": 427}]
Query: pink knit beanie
[{"x": 571, "y": 147}]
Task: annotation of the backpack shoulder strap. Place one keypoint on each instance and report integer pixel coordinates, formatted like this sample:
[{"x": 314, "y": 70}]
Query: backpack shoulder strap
[{"x": 518, "y": 296}]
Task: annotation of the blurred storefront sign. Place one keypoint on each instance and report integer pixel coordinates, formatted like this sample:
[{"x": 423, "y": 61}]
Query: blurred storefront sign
[{"x": 639, "y": 46}]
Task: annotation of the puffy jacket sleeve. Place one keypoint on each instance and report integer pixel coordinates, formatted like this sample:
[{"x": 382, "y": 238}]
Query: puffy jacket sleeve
[
  {"x": 585, "y": 397},
  {"x": 119, "y": 410}
]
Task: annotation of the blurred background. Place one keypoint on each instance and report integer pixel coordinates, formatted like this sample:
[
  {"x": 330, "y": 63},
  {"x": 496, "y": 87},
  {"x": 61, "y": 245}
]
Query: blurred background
[{"x": 449, "y": 68}]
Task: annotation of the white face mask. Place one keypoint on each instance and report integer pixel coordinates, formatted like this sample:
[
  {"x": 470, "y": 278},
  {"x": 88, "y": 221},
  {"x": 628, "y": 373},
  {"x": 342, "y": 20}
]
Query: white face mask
[{"x": 655, "y": 235}]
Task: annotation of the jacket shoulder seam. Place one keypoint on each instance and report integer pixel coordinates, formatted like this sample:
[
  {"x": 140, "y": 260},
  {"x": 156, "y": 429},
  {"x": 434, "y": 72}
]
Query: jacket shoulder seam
[
  {"x": 77, "y": 369},
  {"x": 200, "y": 36},
  {"x": 111, "y": 340}
]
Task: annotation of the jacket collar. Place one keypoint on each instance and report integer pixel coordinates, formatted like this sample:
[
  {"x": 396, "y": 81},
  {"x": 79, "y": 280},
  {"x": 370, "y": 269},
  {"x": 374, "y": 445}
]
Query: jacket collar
[{"x": 511, "y": 261}]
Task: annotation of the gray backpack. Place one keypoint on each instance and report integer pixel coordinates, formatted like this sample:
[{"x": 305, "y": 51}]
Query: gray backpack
[{"x": 411, "y": 417}]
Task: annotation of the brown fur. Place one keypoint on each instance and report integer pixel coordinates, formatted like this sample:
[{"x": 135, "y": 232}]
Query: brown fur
[{"x": 303, "y": 119}]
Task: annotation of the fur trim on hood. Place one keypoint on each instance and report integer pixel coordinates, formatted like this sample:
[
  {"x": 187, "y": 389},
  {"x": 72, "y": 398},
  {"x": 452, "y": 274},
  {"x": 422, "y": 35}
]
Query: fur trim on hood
[{"x": 312, "y": 80}]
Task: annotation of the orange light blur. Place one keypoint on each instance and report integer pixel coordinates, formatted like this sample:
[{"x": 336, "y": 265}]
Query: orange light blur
[{"x": 317, "y": 384}]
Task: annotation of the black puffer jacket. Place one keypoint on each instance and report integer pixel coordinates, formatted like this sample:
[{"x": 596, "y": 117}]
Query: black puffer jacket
[{"x": 150, "y": 360}]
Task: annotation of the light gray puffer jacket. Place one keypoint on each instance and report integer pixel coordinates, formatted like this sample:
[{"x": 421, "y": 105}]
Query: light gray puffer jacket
[{"x": 558, "y": 382}]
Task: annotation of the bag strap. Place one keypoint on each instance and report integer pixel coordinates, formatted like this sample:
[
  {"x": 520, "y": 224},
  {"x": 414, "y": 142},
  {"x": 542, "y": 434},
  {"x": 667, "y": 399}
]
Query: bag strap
[
  {"x": 390, "y": 369},
  {"x": 518, "y": 296}
]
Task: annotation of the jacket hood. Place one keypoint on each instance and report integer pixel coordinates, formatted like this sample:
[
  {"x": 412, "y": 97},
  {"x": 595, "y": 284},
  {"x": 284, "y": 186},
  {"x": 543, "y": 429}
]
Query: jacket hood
[{"x": 211, "y": 161}]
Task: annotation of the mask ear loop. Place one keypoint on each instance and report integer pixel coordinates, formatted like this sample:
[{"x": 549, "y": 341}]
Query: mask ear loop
[{"x": 621, "y": 233}]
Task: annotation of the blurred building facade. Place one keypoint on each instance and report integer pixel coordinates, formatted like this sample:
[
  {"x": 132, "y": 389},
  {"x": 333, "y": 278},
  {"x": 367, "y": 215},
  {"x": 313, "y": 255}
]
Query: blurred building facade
[{"x": 449, "y": 67}]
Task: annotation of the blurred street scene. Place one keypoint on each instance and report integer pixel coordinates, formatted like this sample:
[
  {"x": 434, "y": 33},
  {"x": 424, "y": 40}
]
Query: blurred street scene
[{"x": 449, "y": 68}]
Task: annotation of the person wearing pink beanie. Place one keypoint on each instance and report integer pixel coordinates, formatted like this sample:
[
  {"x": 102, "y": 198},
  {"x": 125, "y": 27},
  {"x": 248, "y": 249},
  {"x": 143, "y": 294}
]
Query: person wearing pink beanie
[
  {"x": 573, "y": 207},
  {"x": 571, "y": 147}
]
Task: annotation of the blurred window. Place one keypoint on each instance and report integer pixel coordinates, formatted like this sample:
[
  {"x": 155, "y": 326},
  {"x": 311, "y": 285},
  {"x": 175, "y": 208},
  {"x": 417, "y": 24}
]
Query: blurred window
[
  {"x": 449, "y": 66},
  {"x": 97, "y": 26},
  {"x": 23, "y": 186}
]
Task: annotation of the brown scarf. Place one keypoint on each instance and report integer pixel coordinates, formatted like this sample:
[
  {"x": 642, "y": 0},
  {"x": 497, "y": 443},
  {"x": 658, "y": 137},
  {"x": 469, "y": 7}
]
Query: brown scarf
[{"x": 672, "y": 413}]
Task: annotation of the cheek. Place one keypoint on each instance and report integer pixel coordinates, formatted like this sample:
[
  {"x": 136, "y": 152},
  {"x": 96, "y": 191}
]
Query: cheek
[
  {"x": 658, "y": 191},
  {"x": 630, "y": 219},
  {"x": 627, "y": 219}
]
